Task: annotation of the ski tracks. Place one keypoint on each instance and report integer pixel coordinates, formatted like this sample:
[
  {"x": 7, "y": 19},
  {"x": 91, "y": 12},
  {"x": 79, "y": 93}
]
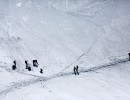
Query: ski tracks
[{"x": 17, "y": 85}]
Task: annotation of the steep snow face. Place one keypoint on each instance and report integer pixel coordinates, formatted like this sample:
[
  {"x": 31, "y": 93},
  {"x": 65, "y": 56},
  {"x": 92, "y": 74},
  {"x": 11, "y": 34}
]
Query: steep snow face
[{"x": 59, "y": 32}]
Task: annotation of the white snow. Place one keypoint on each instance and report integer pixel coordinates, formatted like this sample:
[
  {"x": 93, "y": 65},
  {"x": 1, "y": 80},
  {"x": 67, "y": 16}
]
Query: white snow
[
  {"x": 19, "y": 4},
  {"x": 61, "y": 34},
  {"x": 109, "y": 84}
]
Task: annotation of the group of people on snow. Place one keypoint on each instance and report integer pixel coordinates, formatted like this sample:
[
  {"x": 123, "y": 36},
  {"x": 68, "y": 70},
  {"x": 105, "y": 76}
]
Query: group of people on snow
[
  {"x": 14, "y": 66},
  {"x": 35, "y": 64},
  {"x": 28, "y": 66}
]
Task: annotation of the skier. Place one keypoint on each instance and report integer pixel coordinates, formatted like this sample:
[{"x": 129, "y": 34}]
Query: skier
[
  {"x": 41, "y": 71},
  {"x": 129, "y": 56},
  {"x": 74, "y": 70},
  {"x": 77, "y": 69},
  {"x": 14, "y": 66},
  {"x": 35, "y": 63}
]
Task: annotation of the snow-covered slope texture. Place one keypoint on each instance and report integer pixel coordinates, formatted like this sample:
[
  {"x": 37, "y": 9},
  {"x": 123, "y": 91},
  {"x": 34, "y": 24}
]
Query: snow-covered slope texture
[
  {"x": 58, "y": 32},
  {"x": 104, "y": 84}
]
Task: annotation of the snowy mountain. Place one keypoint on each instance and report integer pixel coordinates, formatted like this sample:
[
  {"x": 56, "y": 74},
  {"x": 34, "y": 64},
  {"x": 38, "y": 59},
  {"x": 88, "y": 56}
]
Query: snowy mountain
[
  {"x": 61, "y": 34},
  {"x": 56, "y": 33}
]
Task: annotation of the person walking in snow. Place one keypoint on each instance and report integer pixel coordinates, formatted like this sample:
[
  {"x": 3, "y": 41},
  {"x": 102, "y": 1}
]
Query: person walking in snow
[
  {"x": 35, "y": 63},
  {"x": 74, "y": 70},
  {"x": 26, "y": 62},
  {"x": 15, "y": 62},
  {"x": 14, "y": 66},
  {"x": 41, "y": 71},
  {"x": 28, "y": 65},
  {"x": 77, "y": 69},
  {"x": 29, "y": 68}
]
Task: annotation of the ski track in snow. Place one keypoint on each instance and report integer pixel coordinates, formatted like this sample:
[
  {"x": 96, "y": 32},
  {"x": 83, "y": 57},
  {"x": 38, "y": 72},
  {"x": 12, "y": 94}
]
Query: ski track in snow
[
  {"x": 18, "y": 85},
  {"x": 87, "y": 52}
]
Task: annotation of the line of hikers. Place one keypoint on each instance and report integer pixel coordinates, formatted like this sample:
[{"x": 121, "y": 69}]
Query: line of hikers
[
  {"x": 35, "y": 64},
  {"x": 28, "y": 67}
]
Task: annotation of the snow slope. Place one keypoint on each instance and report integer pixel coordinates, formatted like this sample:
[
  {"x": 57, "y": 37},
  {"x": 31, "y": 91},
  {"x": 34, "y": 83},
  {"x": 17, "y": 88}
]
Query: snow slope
[
  {"x": 111, "y": 83},
  {"x": 61, "y": 34},
  {"x": 57, "y": 35}
]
